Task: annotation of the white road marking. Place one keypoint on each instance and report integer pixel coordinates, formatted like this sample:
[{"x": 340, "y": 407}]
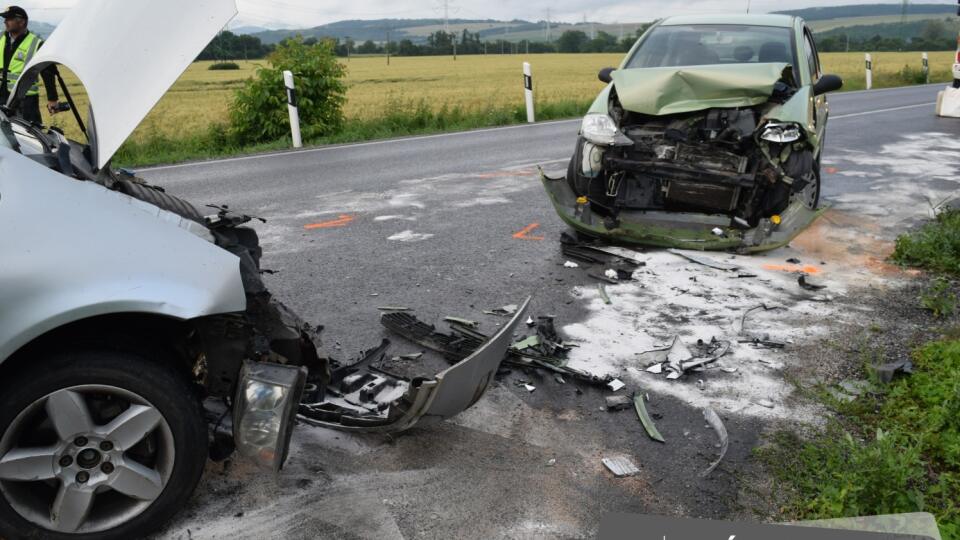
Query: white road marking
[{"x": 878, "y": 111}]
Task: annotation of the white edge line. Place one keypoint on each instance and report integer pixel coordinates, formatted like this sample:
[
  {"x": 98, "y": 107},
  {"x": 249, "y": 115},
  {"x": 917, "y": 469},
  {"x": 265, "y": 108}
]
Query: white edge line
[
  {"x": 353, "y": 145},
  {"x": 878, "y": 111}
]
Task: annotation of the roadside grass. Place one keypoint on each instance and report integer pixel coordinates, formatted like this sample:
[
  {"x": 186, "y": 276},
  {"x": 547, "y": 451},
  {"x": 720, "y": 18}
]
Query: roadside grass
[
  {"x": 935, "y": 246},
  {"x": 404, "y": 118},
  {"x": 893, "y": 448}
]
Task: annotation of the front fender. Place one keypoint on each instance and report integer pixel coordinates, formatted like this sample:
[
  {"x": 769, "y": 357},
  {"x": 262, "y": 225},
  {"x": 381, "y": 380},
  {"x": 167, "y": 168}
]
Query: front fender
[{"x": 70, "y": 250}]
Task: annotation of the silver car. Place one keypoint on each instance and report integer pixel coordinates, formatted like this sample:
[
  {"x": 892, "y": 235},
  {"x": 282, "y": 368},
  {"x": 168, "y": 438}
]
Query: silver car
[{"x": 125, "y": 312}]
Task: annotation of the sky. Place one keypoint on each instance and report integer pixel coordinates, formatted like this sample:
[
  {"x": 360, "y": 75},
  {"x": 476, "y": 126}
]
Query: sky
[{"x": 308, "y": 13}]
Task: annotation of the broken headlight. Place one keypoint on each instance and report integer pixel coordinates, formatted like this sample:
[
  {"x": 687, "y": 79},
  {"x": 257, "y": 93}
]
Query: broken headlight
[
  {"x": 781, "y": 133},
  {"x": 601, "y": 130},
  {"x": 267, "y": 401}
]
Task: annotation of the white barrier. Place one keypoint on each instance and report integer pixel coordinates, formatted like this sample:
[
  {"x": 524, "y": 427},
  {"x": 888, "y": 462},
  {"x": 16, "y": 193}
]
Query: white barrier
[
  {"x": 293, "y": 108},
  {"x": 926, "y": 68},
  {"x": 869, "y": 71},
  {"x": 528, "y": 90}
]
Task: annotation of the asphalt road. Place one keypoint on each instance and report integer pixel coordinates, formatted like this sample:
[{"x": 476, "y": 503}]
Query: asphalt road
[{"x": 431, "y": 223}]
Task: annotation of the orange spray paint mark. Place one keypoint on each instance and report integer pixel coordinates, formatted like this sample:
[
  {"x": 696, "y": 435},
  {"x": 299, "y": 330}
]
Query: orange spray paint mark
[
  {"x": 792, "y": 268},
  {"x": 524, "y": 234},
  {"x": 831, "y": 170},
  {"x": 343, "y": 220}
]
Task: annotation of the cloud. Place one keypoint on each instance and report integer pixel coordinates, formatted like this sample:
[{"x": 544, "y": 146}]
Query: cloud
[{"x": 307, "y": 13}]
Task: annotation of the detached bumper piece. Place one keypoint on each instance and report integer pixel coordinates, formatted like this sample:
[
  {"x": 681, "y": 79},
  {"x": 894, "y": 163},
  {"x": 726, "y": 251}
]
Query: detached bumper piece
[
  {"x": 364, "y": 398},
  {"x": 677, "y": 229}
]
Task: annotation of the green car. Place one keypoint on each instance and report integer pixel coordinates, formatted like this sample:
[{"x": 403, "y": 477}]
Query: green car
[{"x": 708, "y": 136}]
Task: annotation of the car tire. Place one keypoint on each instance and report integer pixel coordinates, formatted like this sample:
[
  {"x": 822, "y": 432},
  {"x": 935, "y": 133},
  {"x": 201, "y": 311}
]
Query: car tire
[{"x": 175, "y": 433}]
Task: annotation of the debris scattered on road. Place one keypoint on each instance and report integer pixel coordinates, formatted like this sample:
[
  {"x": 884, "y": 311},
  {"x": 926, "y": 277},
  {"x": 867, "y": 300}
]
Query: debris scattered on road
[
  {"x": 764, "y": 307},
  {"x": 729, "y": 369},
  {"x": 505, "y": 311},
  {"x": 793, "y": 260},
  {"x": 530, "y": 321},
  {"x": 526, "y": 343},
  {"x": 713, "y": 419},
  {"x": 414, "y": 356},
  {"x": 603, "y": 294},
  {"x": 620, "y": 466},
  {"x": 529, "y": 387},
  {"x": 559, "y": 379},
  {"x": 805, "y": 283},
  {"x": 765, "y": 403},
  {"x": 656, "y": 368},
  {"x": 612, "y": 274},
  {"x": 551, "y": 462},
  {"x": 615, "y": 385},
  {"x": 679, "y": 359},
  {"x": 603, "y": 277},
  {"x": 638, "y": 403},
  {"x": 744, "y": 275},
  {"x": 463, "y": 322},
  {"x": 705, "y": 261},
  {"x": 886, "y": 372},
  {"x": 717, "y": 231},
  {"x": 765, "y": 342},
  {"x": 571, "y": 264},
  {"x": 617, "y": 403},
  {"x": 393, "y": 308}
]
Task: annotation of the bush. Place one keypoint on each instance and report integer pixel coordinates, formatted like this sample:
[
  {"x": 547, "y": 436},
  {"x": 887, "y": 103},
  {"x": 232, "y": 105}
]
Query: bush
[
  {"x": 936, "y": 246},
  {"x": 911, "y": 75},
  {"x": 224, "y": 66},
  {"x": 259, "y": 111}
]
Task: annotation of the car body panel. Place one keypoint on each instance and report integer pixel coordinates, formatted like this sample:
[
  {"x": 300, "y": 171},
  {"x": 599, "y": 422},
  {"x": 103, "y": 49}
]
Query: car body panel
[
  {"x": 447, "y": 394},
  {"x": 73, "y": 250},
  {"x": 672, "y": 90},
  {"x": 113, "y": 48},
  {"x": 783, "y": 21}
]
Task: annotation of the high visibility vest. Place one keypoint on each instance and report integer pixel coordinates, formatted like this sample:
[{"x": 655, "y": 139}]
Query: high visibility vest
[{"x": 21, "y": 57}]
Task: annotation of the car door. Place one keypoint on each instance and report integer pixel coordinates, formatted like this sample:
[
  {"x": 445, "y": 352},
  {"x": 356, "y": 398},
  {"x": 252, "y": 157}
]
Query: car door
[{"x": 811, "y": 62}]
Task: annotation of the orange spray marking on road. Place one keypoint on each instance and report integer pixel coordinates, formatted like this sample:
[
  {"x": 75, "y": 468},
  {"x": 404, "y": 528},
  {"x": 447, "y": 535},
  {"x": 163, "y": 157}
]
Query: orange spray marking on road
[
  {"x": 524, "y": 234},
  {"x": 343, "y": 220},
  {"x": 831, "y": 170},
  {"x": 808, "y": 269}
]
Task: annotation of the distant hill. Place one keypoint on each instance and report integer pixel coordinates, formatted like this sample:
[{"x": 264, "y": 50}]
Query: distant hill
[
  {"x": 869, "y": 10},
  {"x": 248, "y": 30}
]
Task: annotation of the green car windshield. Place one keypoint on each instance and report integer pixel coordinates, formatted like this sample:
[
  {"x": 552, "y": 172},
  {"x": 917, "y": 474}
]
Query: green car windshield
[{"x": 707, "y": 44}]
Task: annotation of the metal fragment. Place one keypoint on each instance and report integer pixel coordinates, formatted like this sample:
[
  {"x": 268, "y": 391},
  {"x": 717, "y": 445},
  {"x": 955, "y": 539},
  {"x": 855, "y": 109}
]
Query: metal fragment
[
  {"x": 705, "y": 261},
  {"x": 615, "y": 384},
  {"x": 603, "y": 294},
  {"x": 530, "y": 387},
  {"x": 655, "y": 368},
  {"x": 462, "y": 322},
  {"x": 617, "y": 403},
  {"x": 645, "y": 419},
  {"x": 713, "y": 419},
  {"x": 620, "y": 466}
]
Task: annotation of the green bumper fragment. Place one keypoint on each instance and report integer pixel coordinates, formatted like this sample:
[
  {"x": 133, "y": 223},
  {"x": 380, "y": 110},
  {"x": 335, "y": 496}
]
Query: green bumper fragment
[{"x": 676, "y": 229}]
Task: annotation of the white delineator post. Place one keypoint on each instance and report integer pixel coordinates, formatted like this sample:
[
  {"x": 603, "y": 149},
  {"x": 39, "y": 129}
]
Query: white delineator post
[
  {"x": 869, "y": 71},
  {"x": 926, "y": 68},
  {"x": 292, "y": 106},
  {"x": 528, "y": 90}
]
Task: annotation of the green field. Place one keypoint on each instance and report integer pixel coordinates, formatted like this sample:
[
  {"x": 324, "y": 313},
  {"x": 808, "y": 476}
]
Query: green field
[{"x": 488, "y": 88}]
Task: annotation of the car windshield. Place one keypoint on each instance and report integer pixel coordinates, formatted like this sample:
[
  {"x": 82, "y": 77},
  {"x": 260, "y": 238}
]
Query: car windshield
[{"x": 705, "y": 44}]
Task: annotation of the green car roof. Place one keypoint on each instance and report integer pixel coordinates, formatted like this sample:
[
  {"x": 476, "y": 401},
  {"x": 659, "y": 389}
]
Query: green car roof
[{"x": 785, "y": 21}]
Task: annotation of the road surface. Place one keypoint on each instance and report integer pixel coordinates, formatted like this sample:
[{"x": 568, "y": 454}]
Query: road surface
[{"x": 432, "y": 223}]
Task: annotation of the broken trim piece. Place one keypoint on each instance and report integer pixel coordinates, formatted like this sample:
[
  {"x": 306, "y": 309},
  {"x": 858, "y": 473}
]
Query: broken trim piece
[
  {"x": 713, "y": 419},
  {"x": 645, "y": 419}
]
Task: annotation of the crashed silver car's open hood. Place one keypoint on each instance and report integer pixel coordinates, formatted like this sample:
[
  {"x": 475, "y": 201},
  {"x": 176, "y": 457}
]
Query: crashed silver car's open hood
[{"x": 128, "y": 54}]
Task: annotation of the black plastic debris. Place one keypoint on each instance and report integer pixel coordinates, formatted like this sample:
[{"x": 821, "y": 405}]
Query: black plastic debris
[
  {"x": 793, "y": 260},
  {"x": 805, "y": 283},
  {"x": 886, "y": 372}
]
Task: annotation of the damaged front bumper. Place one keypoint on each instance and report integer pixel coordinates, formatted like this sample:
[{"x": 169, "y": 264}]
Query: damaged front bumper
[
  {"x": 363, "y": 398},
  {"x": 677, "y": 229}
]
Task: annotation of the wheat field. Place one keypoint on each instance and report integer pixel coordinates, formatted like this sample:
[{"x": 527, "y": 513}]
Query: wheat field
[{"x": 202, "y": 97}]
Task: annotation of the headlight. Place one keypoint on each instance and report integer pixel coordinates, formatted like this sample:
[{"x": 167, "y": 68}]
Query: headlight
[
  {"x": 599, "y": 129},
  {"x": 268, "y": 397},
  {"x": 781, "y": 133}
]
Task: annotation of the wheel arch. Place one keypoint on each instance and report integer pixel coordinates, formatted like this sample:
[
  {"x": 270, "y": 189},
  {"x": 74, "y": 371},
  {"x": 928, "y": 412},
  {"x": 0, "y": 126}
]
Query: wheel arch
[{"x": 158, "y": 337}]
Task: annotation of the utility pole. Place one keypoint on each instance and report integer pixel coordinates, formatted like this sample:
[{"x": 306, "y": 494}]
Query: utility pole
[
  {"x": 548, "y": 26},
  {"x": 388, "y": 45}
]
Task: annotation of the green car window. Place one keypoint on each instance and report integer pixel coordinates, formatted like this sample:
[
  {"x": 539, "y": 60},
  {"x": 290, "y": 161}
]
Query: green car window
[{"x": 705, "y": 44}]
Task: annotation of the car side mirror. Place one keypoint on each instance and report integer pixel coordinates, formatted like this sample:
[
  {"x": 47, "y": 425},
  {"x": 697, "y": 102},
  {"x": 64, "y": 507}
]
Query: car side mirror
[
  {"x": 606, "y": 74},
  {"x": 826, "y": 84}
]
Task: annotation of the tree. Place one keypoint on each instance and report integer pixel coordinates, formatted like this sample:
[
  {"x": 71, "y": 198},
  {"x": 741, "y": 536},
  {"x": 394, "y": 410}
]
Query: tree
[
  {"x": 259, "y": 109},
  {"x": 933, "y": 30},
  {"x": 571, "y": 41},
  {"x": 368, "y": 47}
]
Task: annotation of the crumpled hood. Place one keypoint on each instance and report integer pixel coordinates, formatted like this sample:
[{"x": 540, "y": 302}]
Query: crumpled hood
[
  {"x": 128, "y": 54},
  {"x": 675, "y": 90}
]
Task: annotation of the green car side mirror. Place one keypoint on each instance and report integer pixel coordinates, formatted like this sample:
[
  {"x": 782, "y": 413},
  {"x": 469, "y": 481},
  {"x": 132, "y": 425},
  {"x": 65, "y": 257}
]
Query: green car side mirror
[{"x": 826, "y": 84}]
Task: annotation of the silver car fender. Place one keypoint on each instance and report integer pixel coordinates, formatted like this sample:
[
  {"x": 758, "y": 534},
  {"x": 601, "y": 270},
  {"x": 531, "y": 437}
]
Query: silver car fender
[{"x": 71, "y": 250}]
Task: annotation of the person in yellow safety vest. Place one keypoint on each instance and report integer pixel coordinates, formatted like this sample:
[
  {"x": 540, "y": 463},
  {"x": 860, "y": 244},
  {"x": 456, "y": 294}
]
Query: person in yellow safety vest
[{"x": 19, "y": 45}]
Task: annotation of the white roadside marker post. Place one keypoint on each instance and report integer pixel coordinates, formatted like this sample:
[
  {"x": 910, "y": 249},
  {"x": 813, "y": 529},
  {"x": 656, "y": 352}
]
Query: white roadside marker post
[
  {"x": 294, "y": 110},
  {"x": 926, "y": 68},
  {"x": 528, "y": 90},
  {"x": 869, "y": 71}
]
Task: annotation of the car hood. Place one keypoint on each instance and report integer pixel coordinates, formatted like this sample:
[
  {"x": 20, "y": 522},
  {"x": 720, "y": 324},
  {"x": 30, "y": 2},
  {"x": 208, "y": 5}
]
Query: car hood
[
  {"x": 127, "y": 55},
  {"x": 675, "y": 90}
]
